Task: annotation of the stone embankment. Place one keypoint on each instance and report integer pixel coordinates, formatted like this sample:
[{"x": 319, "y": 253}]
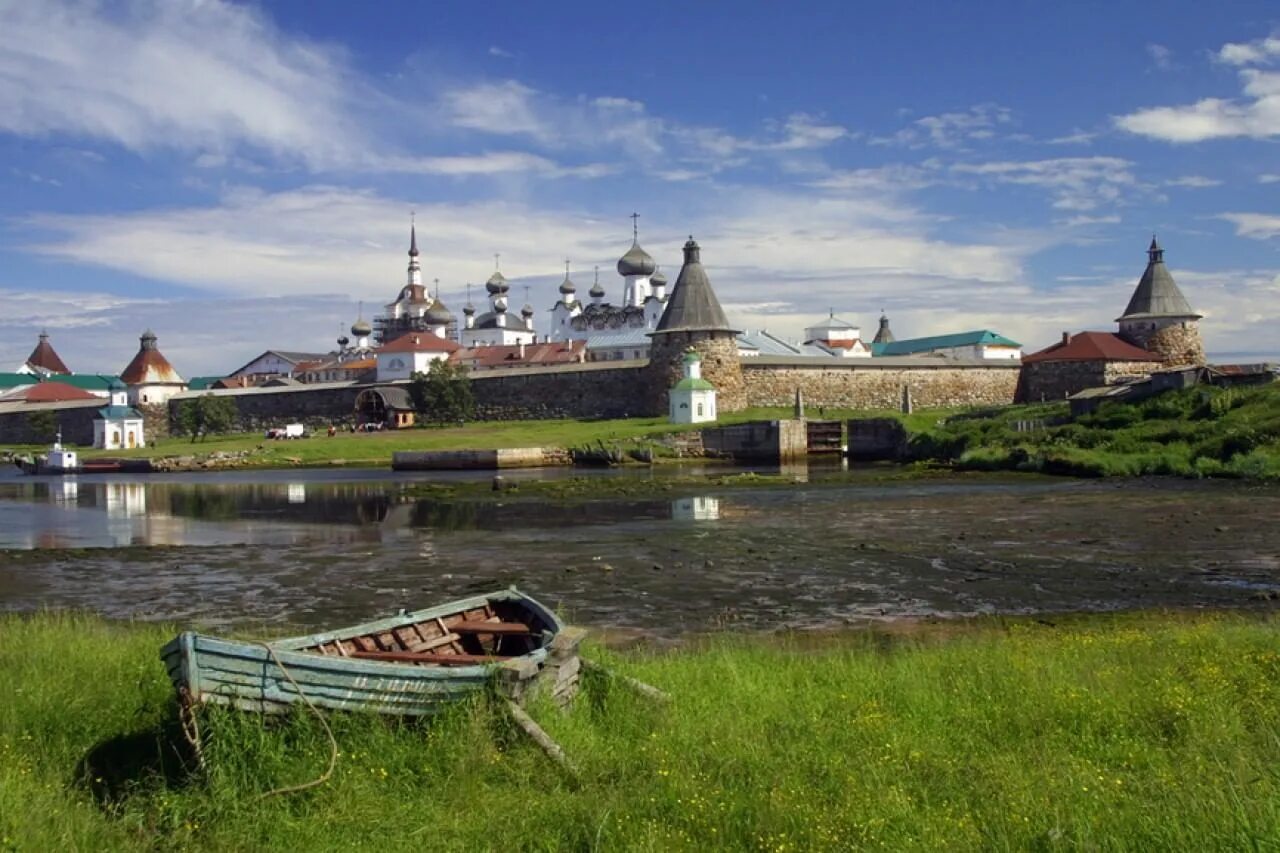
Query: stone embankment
[{"x": 217, "y": 461}]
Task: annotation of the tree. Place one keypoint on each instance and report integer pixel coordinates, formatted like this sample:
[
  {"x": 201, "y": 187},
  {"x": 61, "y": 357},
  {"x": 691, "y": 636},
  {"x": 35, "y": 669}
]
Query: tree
[
  {"x": 206, "y": 414},
  {"x": 443, "y": 393},
  {"x": 43, "y": 426}
]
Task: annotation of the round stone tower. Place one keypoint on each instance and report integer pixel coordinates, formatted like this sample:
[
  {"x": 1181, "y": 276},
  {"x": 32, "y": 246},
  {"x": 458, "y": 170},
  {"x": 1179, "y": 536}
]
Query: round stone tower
[
  {"x": 693, "y": 319},
  {"x": 1159, "y": 319}
]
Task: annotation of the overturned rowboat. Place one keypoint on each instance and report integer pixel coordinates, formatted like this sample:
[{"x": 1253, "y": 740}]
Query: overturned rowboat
[{"x": 411, "y": 664}]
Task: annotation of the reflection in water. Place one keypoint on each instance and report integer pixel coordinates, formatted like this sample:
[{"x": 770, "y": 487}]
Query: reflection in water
[
  {"x": 700, "y": 508},
  {"x": 315, "y": 549}
]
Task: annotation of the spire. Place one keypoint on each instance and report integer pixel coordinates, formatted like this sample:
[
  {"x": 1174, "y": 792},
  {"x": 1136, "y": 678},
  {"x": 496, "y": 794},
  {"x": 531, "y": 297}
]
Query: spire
[
  {"x": 413, "y": 236},
  {"x": 1157, "y": 295},
  {"x": 44, "y": 358},
  {"x": 693, "y": 305},
  {"x": 567, "y": 287}
]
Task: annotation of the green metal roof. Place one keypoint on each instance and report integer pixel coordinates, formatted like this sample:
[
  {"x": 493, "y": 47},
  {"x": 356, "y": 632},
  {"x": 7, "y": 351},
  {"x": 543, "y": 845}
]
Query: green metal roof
[
  {"x": 114, "y": 412},
  {"x": 202, "y": 383},
  {"x": 690, "y": 384},
  {"x": 86, "y": 381},
  {"x": 13, "y": 380},
  {"x": 959, "y": 339}
]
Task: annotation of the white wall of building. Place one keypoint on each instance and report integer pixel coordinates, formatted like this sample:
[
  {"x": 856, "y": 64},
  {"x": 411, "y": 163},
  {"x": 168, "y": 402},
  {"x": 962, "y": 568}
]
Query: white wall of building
[{"x": 402, "y": 365}]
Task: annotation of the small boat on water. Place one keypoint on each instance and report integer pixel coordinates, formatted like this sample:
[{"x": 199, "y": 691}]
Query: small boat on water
[
  {"x": 59, "y": 461},
  {"x": 411, "y": 664}
]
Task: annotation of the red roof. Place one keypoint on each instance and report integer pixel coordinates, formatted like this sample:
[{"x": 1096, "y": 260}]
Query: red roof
[
  {"x": 1091, "y": 346},
  {"x": 420, "y": 342},
  {"x": 149, "y": 367},
  {"x": 50, "y": 392},
  {"x": 559, "y": 352},
  {"x": 44, "y": 356}
]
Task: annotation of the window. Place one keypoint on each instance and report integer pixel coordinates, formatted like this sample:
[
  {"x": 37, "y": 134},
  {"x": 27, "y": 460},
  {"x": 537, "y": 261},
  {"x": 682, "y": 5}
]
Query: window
[{"x": 699, "y": 410}]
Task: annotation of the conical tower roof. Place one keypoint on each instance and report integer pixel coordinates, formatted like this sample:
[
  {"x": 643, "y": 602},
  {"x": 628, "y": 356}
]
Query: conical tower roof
[
  {"x": 1157, "y": 295},
  {"x": 149, "y": 367},
  {"x": 884, "y": 335},
  {"x": 44, "y": 358},
  {"x": 693, "y": 305}
]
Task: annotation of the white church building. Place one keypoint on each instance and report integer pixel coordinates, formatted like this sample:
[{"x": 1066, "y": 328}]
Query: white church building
[
  {"x": 693, "y": 399},
  {"x": 119, "y": 425}
]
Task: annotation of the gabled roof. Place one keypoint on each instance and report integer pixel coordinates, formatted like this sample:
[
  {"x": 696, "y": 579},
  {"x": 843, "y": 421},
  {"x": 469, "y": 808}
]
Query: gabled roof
[
  {"x": 558, "y": 352},
  {"x": 52, "y": 391},
  {"x": 833, "y": 324},
  {"x": 693, "y": 305},
  {"x": 1156, "y": 294},
  {"x": 284, "y": 355},
  {"x": 978, "y": 337},
  {"x": 44, "y": 357},
  {"x": 201, "y": 383},
  {"x": 1091, "y": 346},
  {"x": 419, "y": 342}
]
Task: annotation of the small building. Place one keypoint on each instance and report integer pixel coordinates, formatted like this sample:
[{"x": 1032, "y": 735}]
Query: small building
[
  {"x": 980, "y": 344},
  {"x": 693, "y": 399},
  {"x": 412, "y": 353},
  {"x": 119, "y": 425},
  {"x": 384, "y": 407},
  {"x": 150, "y": 376},
  {"x": 837, "y": 337},
  {"x": 269, "y": 365},
  {"x": 1081, "y": 361}
]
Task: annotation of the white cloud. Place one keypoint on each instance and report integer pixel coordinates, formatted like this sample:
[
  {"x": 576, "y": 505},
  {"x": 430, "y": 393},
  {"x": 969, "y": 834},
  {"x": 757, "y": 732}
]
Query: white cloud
[
  {"x": 1075, "y": 137},
  {"x": 1075, "y": 183},
  {"x": 494, "y": 50},
  {"x": 1161, "y": 56},
  {"x": 207, "y": 76},
  {"x": 1081, "y": 221},
  {"x": 1268, "y": 179},
  {"x": 1258, "y": 226},
  {"x": 891, "y": 178},
  {"x": 1250, "y": 53},
  {"x": 953, "y": 129},
  {"x": 1195, "y": 182},
  {"x": 1256, "y": 114}
]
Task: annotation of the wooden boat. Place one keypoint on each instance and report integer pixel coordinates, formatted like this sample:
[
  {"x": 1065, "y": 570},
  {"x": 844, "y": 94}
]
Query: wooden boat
[{"x": 411, "y": 664}]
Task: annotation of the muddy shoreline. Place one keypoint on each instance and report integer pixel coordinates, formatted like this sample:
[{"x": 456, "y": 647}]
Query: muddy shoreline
[{"x": 795, "y": 557}]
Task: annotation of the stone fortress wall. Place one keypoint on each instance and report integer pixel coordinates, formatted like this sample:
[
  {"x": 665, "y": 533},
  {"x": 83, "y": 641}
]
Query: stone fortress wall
[
  {"x": 618, "y": 390},
  {"x": 1046, "y": 381}
]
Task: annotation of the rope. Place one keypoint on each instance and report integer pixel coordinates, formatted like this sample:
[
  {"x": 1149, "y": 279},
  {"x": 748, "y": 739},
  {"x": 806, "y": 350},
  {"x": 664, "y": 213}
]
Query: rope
[
  {"x": 333, "y": 743},
  {"x": 190, "y": 724}
]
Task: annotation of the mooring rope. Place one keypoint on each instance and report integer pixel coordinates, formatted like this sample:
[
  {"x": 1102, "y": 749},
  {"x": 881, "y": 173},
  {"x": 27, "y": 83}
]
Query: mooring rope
[{"x": 333, "y": 742}]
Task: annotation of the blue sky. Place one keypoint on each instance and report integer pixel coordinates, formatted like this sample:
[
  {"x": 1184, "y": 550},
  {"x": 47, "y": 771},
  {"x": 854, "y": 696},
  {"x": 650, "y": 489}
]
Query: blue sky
[{"x": 239, "y": 177}]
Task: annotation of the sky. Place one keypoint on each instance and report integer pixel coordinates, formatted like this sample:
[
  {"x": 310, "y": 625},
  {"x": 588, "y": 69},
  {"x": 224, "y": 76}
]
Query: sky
[{"x": 240, "y": 177}]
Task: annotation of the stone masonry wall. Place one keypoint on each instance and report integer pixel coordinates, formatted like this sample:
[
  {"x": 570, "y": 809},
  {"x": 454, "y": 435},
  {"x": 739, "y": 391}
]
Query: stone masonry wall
[
  {"x": 628, "y": 389},
  {"x": 1178, "y": 345},
  {"x": 721, "y": 366},
  {"x": 1056, "y": 380},
  {"x": 868, "y": 386},
  {"x": 75, "y": 421}
]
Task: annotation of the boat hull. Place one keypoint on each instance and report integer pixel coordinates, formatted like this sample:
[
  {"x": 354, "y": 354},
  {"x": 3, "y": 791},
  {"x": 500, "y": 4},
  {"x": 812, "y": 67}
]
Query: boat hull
[{"x": 273, "y": 677}]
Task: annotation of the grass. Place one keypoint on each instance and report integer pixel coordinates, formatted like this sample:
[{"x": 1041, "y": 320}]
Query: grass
[
  {"x": 1200, "y": 432},
  {"x": 375, "y": 449},
  {"x": 1131, "y": 731}
]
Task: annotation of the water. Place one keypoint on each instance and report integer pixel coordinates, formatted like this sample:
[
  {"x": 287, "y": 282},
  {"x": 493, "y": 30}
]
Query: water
[{"x": 320, "y": 548}]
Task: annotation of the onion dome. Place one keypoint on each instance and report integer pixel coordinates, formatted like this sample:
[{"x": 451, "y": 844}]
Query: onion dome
[
  {"x": 361, "y": 328},
  {"x": 343, "y": 340},
  {"x": 527, "y": 310},
  {"x": 597, "y": 292},
  {"x": 636, "y": 262},
  {"x": 567, "y": 287},
  {"x": 497, "y": 284},
  {"x": 658, "y": 279},
  {"x": 469, "y": 309},
  {"x": 437, "y": 314}
]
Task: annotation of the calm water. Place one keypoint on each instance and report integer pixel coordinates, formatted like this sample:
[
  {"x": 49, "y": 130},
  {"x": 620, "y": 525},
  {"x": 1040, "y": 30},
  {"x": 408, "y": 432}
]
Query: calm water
[{"x": 325, "y": 547}]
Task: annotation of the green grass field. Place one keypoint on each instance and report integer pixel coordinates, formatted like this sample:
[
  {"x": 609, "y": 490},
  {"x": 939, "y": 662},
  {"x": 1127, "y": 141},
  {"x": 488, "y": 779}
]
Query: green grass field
[
  {"x": 375, "y": 449},
  {"x": 1200, "y": 432},
  {"x": 1138, "y": 732}
]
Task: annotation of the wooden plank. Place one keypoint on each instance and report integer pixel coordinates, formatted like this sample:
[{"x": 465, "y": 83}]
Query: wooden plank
[
  {"x": 430, "y": 657},
  {"x": 472, "y": 626}
]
